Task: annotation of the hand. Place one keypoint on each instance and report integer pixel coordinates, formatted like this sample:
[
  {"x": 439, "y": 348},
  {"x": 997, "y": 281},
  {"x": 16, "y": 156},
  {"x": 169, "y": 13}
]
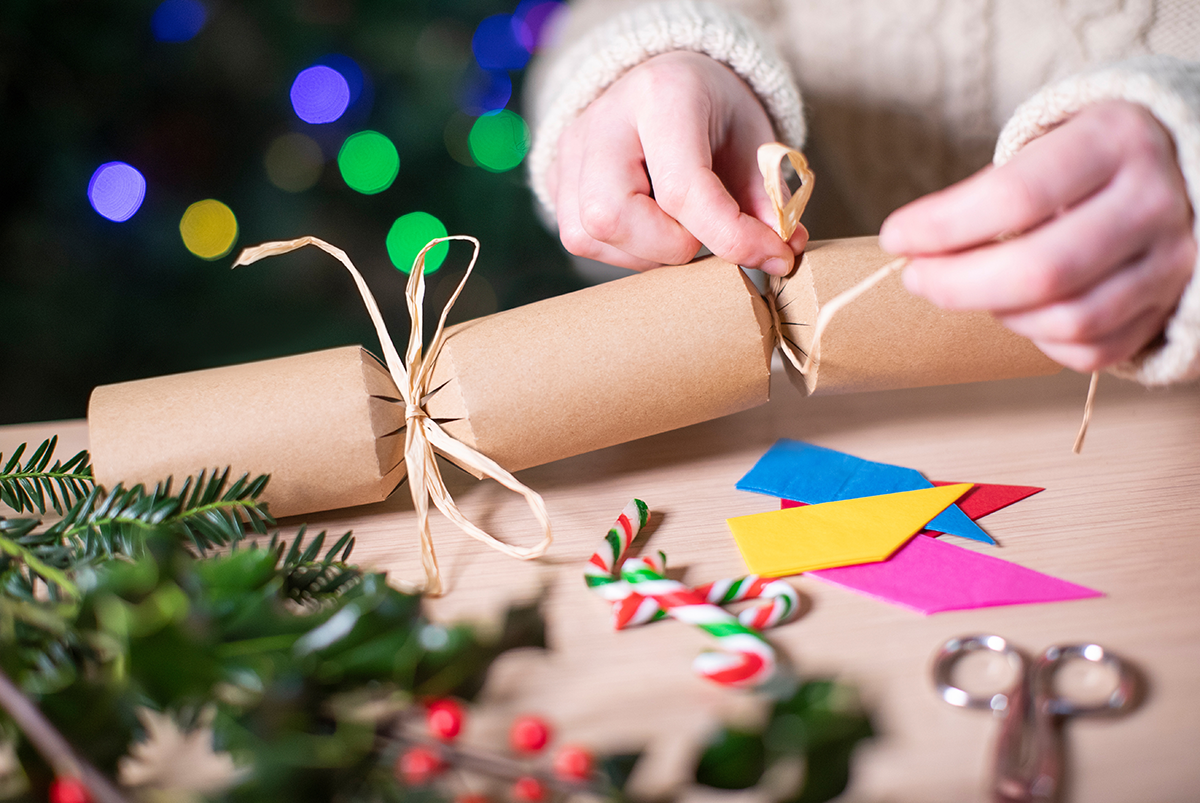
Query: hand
[
  {"x": 664, "y": 161},
  {"x": 1095, "y": 238}
]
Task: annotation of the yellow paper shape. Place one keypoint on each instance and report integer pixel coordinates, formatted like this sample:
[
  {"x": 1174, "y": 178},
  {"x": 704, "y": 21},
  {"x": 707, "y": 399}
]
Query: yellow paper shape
[{"x": 844, "y": 533}]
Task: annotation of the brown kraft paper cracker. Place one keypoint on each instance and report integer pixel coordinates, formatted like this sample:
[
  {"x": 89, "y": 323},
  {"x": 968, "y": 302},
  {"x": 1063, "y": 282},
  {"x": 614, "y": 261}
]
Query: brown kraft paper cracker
[
  {"x": 321, "y": 424},
  {"x": 888, "y": 338},
  {"x": 605, "y": 365}
]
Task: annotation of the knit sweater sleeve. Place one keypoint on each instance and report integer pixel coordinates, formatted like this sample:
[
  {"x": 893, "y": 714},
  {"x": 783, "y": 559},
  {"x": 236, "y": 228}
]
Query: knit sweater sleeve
[
  {"x": 579, "y": 71},
  {"x": 1170, "y": 89}
]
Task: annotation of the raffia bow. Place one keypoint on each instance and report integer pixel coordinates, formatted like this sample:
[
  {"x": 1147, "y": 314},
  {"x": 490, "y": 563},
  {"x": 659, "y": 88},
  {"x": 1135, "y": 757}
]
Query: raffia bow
[
  {"x": 788, "y": 212},
  {"x": 424, "y": 438}
]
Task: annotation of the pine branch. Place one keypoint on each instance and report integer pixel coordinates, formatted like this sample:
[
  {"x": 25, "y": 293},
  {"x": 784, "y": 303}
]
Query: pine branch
[
  {"x": 17, "y": 557},
  {"x": 307, "y": 578},
  {"x": 30, "y": 486},
  {"x": 205, "y": 512}
]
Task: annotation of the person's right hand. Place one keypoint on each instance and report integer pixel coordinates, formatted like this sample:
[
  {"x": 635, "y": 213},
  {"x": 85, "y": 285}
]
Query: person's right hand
[{"x": 665, "y": 161}]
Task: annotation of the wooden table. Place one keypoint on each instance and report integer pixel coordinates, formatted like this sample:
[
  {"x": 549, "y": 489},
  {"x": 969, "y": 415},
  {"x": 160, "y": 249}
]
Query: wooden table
[{"x": 1122, "y": 518}]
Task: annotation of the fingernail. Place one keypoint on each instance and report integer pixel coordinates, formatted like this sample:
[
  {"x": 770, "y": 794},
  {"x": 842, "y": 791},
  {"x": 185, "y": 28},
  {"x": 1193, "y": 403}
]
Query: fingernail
[{"x": 776, "y": 267}]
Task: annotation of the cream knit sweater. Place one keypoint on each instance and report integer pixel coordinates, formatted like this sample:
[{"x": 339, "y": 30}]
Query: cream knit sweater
[{"x": 903, "y": 97}]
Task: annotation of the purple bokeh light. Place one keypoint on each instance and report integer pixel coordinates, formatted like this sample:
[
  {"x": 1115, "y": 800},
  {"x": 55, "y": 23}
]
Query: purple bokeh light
[
  {"x": 531, "y": 21},
  {"x": 116, "y": 191},
  {"x": 320, "y": 94}
]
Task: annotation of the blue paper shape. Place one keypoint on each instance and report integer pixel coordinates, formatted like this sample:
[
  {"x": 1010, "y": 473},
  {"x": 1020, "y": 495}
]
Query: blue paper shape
[{"x": 813, "y": 474}]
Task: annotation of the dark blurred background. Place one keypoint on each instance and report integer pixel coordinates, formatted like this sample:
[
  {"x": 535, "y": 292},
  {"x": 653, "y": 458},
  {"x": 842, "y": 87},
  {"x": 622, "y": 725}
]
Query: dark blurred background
[{"x": 207, "y": 101}]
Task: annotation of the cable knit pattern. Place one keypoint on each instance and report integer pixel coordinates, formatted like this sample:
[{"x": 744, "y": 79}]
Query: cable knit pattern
[
  {"x": 906, "y": 96},
  {"x": 588, "y": 67},
  {"x": 1170, "y": 89}
]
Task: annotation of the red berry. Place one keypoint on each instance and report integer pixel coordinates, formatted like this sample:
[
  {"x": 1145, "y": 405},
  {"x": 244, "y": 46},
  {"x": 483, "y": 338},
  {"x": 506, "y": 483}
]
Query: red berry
[
  {"x": 529, "y": 734},
  {"x": 69, "y": 790},
  {"x": 418, "y": 766},
  {"x": 573, "y": 763},
  {"x": 528, "y": 789},
  {"x": 444, "y": 718}
]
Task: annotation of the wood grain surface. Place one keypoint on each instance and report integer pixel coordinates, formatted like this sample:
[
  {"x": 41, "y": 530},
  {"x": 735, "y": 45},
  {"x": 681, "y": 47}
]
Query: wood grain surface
[{"x": 1122, "y": 518}]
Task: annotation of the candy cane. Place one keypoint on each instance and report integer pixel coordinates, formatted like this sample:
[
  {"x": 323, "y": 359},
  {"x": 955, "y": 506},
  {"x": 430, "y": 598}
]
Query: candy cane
[
  {"x": 601, "y": 575},
  {"x": 781, "y": 601},
  {"x": 601, "y": 569},
  {"x": 746, "y": 659}
]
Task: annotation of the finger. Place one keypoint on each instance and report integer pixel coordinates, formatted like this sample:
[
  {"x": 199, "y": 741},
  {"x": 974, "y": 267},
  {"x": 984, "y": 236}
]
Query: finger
[
  {"x": 685, "y": 186},
  {"x": 1150, "y": 285},
  {"x": 1054, "y": 171},
  {"x": 1056, "y": 261},
  {"x": 615, "y": 206},
  {"x": 571, "y": 231},
  {"x": 1123, "y": 344}
]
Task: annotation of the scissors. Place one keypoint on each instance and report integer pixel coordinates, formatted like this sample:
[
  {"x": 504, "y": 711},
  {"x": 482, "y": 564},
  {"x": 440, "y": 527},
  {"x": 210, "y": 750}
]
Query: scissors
[{"x": 1029, "y": 751}]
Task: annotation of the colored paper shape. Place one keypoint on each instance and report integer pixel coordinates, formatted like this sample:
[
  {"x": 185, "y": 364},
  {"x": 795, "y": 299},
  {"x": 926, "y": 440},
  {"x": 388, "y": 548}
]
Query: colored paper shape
[
  {"x": 978, "y": 502},
  {"x": 842, "y": 533},
  {"x": 985, "y": 498},
  {"x": 813, "y": 474},
  {"x": 927, "y": 575}
]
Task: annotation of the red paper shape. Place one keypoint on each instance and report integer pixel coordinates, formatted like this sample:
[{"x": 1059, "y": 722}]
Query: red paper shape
[{"x": 984, "y": 499}]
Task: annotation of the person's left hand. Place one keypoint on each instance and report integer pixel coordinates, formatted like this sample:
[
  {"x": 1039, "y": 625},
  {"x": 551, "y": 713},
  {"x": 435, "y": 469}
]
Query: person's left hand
[{"x": 1082, "y": 242}]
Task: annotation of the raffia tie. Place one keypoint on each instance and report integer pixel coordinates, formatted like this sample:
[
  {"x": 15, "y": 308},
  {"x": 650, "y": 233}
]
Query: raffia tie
[
  {"x": 424, "y": 438},
  {"x": 787, "y": 213}
]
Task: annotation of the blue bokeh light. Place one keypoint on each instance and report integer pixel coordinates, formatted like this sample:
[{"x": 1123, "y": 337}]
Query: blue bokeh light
[
  {"x": 496, "y": 45},
  {"x": 348, "y": 68},
  {"x": 116, "y": 191},
  {"x": 320, "y": 94},
  {"x": 178, "y": 20},
  {"x": 485, "y": 91}
]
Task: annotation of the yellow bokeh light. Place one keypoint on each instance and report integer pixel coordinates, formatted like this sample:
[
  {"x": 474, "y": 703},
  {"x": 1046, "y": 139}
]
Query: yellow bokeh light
[{"x": 209, "y": 229}]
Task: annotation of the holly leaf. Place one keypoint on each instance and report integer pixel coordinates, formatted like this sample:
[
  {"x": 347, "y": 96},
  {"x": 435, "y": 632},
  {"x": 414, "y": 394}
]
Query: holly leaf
[{"x": 734, "y": 760}]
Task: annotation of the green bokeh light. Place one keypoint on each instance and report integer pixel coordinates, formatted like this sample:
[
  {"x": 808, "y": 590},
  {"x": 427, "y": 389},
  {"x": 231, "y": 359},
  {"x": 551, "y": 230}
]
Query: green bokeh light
[
  {"x": 499, "y": 140},
  {"x": 369, "y": 162},
  {"x": 412, "y": 232}
]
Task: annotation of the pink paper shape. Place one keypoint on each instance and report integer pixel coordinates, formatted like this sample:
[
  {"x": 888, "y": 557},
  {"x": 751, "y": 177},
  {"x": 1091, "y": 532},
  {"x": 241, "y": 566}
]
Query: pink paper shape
[{"x": 927, "y": 576}]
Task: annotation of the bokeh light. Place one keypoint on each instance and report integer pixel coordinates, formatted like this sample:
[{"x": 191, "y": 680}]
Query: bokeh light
[
  {"x": 209, "y": 229},
  {"x": 320, "y": 94},
  {"x": 499, "y": 140},
  {"x": 116, "y": 191},
  {"x": 362, "y": 91},
  {"x": 412, "y": 232},
  {"x": 485, "y": 91},
  {"x": 369, "y": 162},
  {"x": 454, "y": 135},
  {"x": 293, "y": 162},
  {"x": 496, "y": 44},
  {"x": 178, "y": 20},
  {"x": 534, "y": 21}
]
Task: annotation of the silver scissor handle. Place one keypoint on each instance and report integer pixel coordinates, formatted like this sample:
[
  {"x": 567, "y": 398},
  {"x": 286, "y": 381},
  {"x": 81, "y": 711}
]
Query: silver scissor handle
[
  {"x": 1029, "y": 752},
  {"x": 954, "y": 650}
]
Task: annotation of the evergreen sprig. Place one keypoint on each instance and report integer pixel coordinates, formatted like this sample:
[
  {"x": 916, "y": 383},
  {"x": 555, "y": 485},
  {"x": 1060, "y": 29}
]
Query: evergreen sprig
[
  {"x": 308, "y": 578},
  {"x": 30, "y": 486}
]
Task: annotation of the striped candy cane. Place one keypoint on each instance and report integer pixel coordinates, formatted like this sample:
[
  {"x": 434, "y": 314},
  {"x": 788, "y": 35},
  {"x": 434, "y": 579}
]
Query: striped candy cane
[
  {"x": 600, "y": 572},
  {"x": 781, "y": 602},
  {"x": 746, "y": 659}
]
